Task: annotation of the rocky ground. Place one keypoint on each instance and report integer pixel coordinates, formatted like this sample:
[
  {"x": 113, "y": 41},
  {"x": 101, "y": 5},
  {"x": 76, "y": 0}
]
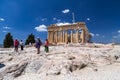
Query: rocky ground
[{"x": 63, "y": 62}]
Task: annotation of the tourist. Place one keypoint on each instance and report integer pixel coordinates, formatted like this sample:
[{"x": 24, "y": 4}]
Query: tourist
[
  {"x": 46, "y": 45},
  {"x": 16, "y": 44},
  {"x": 21, "y": 45},
  {"x": 38, "y": 43}
]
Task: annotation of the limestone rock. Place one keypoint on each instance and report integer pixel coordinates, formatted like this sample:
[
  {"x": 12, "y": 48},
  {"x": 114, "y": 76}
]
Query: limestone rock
[
  {"x": 34, "y": 66},
  {"x": 77, "y": 64},
  {"x": 71, "y": 62},
  {"x": 14, "y": 70}
]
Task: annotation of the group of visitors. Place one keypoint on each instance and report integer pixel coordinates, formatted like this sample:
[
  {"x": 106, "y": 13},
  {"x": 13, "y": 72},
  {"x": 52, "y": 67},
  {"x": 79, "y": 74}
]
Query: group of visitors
[{"x": 38, "y": 44}]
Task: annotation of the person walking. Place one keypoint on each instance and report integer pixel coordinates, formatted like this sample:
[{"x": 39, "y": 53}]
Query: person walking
[
  {"x": 21, "y": 45},
  {"x": 38, "y": 44},
  {"x": 46, "y": 45},
  {"x": 16, "y": 44}
]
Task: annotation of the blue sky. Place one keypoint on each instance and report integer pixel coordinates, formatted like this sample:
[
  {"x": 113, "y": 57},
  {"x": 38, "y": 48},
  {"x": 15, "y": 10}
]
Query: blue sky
[{"x": 23, "y": 17}]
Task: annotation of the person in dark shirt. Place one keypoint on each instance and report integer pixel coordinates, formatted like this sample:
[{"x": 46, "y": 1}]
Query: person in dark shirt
[
  {"x": 21, "y": 45},
  {"x": 38, "y": 44}
]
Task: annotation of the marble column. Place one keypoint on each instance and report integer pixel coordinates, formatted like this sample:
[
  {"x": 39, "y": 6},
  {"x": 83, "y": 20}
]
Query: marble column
[
  {"x": 51, "y": 37},
  {"x": 77, "y": 36},
  {"x": 63, "y": 37},
  {"x": 66, "y": 36},
  {"x": 56, "y": 37},
  {"x": 71, "y": 36}
]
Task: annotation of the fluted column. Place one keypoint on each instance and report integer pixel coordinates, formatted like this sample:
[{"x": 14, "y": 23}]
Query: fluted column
[
  {"x": 77, "y": 35},
  {"x": 52, "y": 34},
  {"x": 59, "y": 36},
  {"x": 63, "y": 37},
  {"x": 56, "y": 37},
  {"x": 71, "y": 36},
  {"x": 66, "y": 36},
  {"x": 53, "y": 37}
]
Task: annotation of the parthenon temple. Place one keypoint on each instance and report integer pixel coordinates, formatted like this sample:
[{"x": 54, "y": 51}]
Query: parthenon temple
[{"x": 72, "y": 33}]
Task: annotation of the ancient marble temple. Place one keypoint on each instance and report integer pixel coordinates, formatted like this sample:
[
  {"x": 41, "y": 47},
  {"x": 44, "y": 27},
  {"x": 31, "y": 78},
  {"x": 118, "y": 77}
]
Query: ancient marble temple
[{"x": 73, "y": 33}]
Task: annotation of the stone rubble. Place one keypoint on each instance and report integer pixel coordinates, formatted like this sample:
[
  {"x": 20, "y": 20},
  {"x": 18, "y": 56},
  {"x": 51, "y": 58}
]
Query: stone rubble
[{"x": 64, "y": 62}]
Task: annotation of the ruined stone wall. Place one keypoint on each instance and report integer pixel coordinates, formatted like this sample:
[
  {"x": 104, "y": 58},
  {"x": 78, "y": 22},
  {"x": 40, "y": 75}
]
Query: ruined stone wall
[{"x": 74, "y": 33}]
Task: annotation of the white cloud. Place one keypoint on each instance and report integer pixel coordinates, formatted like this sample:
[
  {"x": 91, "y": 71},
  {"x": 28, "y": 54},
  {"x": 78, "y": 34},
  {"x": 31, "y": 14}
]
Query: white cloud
[
  {"x": 103, "y": 36},
  {"x": 66, "y": 11},
  {"x": 1, "y": 19},
  {"x": 115, "y": 36},
  {"x": 6, "y": 27},
  {"x": 54, "y": 18},
  {"x": 97, "y": 34},
  {"x": 41, "y": 28},
  {"x": 92, "y": 34},
  {"x": 58, "y": 20},
  {"x": 118, "y": 31},
  {"x": 61, "y": 24},
  {"x": 118, "y": 35},
  {"x": 88, "y": 19},
  {"x": 44, "y": 19},
  {"x": 5, "y": 31}
]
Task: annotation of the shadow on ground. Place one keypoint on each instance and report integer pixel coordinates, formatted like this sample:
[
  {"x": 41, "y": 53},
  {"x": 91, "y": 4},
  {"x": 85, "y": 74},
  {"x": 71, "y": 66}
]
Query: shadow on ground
[{"x": 1, "y": 65}]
